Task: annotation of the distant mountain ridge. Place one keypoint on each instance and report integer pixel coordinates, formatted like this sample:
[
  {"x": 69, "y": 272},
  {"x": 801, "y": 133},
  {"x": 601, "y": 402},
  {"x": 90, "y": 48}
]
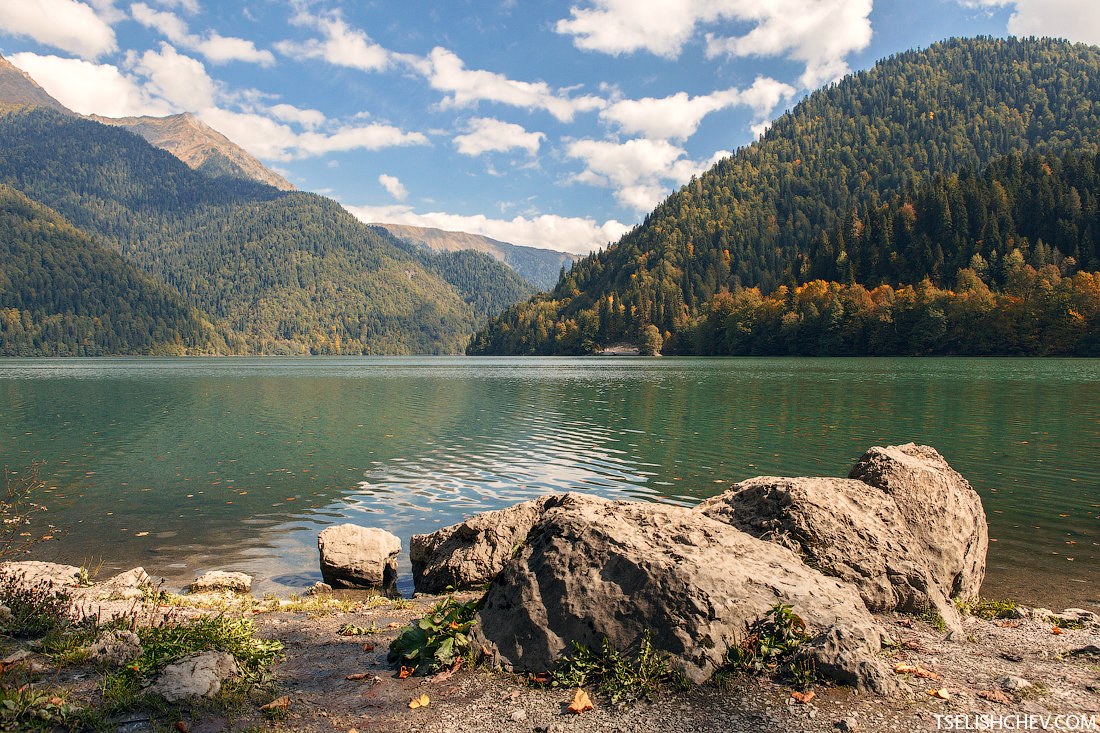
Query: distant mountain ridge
[
  {"x": 199, "y": 146},
  {"x": 538, "y": 266},
  {"x": 17, "y": 87}
]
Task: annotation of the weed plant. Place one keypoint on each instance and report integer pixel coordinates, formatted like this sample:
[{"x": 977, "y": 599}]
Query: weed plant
[
  {"x": 438, "y": 640},
  {"x": 769, "y": 647},
  {"x": 617, "y": 676},
  {"x": 987, "y": 609}
]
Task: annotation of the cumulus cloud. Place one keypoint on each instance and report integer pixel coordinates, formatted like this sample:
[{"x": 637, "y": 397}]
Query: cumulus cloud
[
  {"x": 65, "y": 24},
  {"x": 565, "y": 234},
  {"x": 89, "y": 88},
  {"x": 179, "y": 79},
  {"x": 342, "y": 45},
  {"x": 266, "y": 138},
  {"x": 308, "y": 118},
  {"x": 641, "y": 172},
  {"x": 1077, "y": 20},
  {"x": 677, "y": 117},
  {"x": 216, "y": 48},
  {"x": 394, "y": 186},
  {"x": 819, "y": 33},
  {"x": 486, "y": 135},
  {"x": 448, "y": 73}
]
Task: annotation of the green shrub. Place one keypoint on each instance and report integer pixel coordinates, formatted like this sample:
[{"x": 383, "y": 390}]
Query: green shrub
[
  {"x": 437, "y": 640},
  {"x": 987, "y": 609},
  {"x": 616, "y": 676},
  {"x": 768, "y": 647}
]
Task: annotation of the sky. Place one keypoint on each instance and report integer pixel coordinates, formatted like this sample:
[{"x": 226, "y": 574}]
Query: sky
[{"x": 551, "y": 124}]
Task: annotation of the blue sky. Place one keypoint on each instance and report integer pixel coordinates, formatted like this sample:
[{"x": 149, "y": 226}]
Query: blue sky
[{"x": 555, "y": 124}]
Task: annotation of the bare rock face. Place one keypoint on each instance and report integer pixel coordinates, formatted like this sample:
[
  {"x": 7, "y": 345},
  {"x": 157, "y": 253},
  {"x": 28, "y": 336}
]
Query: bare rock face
[
  {"x": 595, "y": 569},
  {"x": 843, "y": 528},
  {"x": 196, "y": 675},
  {"x": 127, "y": 585},
  {"x": 943, "y": 512},
  {"x": 468, "y": 555},
  {"x": 358, "y": 557},
  {"x": 216, "y": 580}
]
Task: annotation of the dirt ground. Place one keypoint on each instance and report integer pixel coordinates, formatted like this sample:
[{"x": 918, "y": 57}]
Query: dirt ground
[{"x": 1063, "y": 671}]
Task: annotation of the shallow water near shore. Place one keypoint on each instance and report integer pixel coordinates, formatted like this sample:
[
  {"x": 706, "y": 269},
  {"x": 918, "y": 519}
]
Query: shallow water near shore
[{"x": 185, "y": 465}]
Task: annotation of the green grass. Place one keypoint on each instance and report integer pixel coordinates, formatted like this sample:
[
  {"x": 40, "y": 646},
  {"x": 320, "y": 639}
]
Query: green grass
[
  {"x": 620, "y": 677},
  {"x": 987, "y": 608},
  {"x": 932, "y": 617}
]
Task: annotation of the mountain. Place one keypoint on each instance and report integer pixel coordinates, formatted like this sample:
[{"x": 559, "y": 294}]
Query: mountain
[
  {"x": 278, "y": 272},
  {"x": 199, "y": 146},
  {"x": 798, "y": 203},
  {"x": 17, "y": 88},
  {"x": 540, "y": 267},
  {"x": 62, "y": 294}
]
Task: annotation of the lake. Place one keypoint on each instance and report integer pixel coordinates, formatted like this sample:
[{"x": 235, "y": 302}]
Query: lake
[{"x": 185, "y": 465}]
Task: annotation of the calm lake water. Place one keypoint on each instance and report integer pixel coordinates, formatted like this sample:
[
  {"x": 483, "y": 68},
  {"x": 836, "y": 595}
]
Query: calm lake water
[{"x": 185, "y": 465}]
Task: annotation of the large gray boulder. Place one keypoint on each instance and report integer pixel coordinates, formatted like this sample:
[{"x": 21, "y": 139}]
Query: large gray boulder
[
  {"x": 358, "y": 557},
  {"x": 30, "y": 573},
  {"x": 592, "y": 569},
  {"x": 843, "y": 528},
  {"x": 470, "y": 554},
  {"x": 943, "y": 512}
]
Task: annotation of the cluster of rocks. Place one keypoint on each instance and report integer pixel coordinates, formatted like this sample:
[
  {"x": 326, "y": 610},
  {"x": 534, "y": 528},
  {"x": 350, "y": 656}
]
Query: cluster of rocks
[{"x": 904, "y": 532}]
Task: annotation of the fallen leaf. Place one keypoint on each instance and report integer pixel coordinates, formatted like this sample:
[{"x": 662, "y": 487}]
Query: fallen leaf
[
  {"x": 359, "y": 676},
  {"x": 405, "y": 673},
  {"x": 940, "y": 693},
  {"x": 368, "y": 647},
  {"x": 1057, "y": 630},
  {"x": 419, "y": 702},
  {"x": 926, "y": 673},
  {"x": 907, "y": 623},
  {"x": 996, "y": 696},
  {"x": 803, "y": 697},
  {"x": 541, "y": 678},
  {"x": 394, "y": 625},
  {"x": 180, "y": 726},
  {"x": 581, "y": 702},
  {"x": 281, "y": 703},
  {"x": 446, "y": 675}
]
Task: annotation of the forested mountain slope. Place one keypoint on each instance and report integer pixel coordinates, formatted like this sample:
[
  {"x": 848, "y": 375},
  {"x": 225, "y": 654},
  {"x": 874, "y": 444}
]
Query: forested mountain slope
[
  {"x": 784, "y": 209},
  {"x": 61, "y": 294},
  {"x": 284, "y": 272}
]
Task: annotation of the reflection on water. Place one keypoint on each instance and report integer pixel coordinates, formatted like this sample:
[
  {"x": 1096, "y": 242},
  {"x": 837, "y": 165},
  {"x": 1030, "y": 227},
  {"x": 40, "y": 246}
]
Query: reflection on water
[{"x": 181, "y": 465}]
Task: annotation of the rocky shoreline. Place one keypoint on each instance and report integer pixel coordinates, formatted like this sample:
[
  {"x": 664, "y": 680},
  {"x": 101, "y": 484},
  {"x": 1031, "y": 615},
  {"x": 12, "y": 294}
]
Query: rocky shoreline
[{"x": 881, "y": 570}]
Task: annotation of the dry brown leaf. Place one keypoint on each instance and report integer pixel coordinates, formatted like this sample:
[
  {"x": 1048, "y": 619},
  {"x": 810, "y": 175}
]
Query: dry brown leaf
[
  {"x": 540, "y": 678},
  {"x": 368, "y": 647},
  {"x": 359, "y": 676},
  {"x": 904, "y": 669},
  {"x": 419, "y": 702},
  {"x": 941, "y": 693},
  {"x": 996, "y": 696},
  {"x": 907, "y": 623},
  {"x": 926, "y": 673},
  {"x": 394, "y": 625},
  {"x": 180, "y": 726},
  {"x": 405, "y": 673},
  {"x": 1057, "y": 630},
  {"x": 803, "y": 697},
  {"x": 581, "y": 702},
  {"x": 281, "y": 703}
]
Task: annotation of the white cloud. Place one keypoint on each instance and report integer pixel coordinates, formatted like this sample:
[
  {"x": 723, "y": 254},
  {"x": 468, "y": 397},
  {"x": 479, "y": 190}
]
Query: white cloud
[
  {"x": 309, "y": 118},
  {"x": 677, "y": 117},
  {"x": 89, "y": 88},
  {"x": 268, "y": 139},
  {"x": 179, "y": 79},
  {"x": 447, "y": 73},
  {"x": 819, "y": 33},
  {"x": 341, "y": 46},
  {"x": 641, "y": 171},
  {"x": 565, "y": 234},
  {"x": 486, "y": 135},
  {"x": 1077, "y": 20},
  {"x": 394, "y": 186},
  {"x": 216, "y": 48},
  {"x": 190, "y": 6},
  {"x": 66, "y": 24}
]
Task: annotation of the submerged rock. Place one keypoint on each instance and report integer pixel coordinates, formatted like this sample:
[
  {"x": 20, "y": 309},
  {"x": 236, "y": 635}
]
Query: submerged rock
[
  {"x": 943, "y": 512},
  {"x": 843, "y": 528},
  {"x": 358, "y": 557},
  {"x": 592, "y": 569},
  {"x": 470, "y": 554},
  {"x": 196, "y": 675}
]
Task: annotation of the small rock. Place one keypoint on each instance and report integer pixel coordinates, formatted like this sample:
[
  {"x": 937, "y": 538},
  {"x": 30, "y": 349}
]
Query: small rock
[
  {"x": 197, "y": 675},
  {"x": 5, "y": 614},
  {"x": 318, "y": 588},
  {"x": 117, "y": 648},
  {"x": 847, "y": 725},
  {"x": 1010, "y": 683},
  {"x": 519, "y": 715},
  {"x": 221, "y": 580},
  {"x": 358, "y": 557}
]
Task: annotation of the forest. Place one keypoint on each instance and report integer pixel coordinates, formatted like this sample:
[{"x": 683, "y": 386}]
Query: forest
[
  {"x": 974, "y": 154},
  {"x": 276, "y": 272}
]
